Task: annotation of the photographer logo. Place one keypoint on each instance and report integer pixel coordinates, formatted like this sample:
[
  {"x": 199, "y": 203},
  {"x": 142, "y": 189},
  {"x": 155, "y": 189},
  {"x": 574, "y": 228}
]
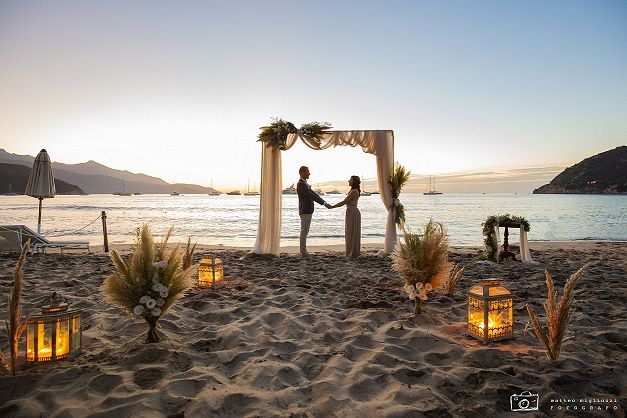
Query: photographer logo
[{"x": 526, "y": 401}]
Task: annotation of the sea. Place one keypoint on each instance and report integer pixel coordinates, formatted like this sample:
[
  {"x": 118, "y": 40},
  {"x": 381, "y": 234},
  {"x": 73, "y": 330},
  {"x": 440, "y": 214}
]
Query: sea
[{"x": 232, "y": 220}]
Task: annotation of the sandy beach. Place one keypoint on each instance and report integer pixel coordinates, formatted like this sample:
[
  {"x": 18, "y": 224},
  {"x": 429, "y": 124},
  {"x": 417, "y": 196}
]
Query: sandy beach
[{"x": 327, "y": 336}]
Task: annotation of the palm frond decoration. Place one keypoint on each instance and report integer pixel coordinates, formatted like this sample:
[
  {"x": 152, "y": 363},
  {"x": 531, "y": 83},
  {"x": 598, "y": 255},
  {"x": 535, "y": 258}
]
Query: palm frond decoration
[
  {"x": 454, "y": 277},
  {"x": 421, "y": 260},
  {"x": 15, "y": 326},
  {"x": 557, "y": 314},
  {"x": 400, "y": 176},
  {"x": 147, "y": 283}
]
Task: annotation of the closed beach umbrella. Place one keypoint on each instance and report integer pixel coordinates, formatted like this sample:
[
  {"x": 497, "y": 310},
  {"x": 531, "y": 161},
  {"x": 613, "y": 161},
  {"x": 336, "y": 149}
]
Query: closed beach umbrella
[{"x": 41, "y": 181}]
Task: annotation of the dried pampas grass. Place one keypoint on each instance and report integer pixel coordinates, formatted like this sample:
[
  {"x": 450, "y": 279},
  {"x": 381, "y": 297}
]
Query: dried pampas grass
[
  {"x": 189, "y": 254},
  {"x": 450, "y": 285},
  {"x": 15, "y": 326},
  {"x": 557, "y": 315}
]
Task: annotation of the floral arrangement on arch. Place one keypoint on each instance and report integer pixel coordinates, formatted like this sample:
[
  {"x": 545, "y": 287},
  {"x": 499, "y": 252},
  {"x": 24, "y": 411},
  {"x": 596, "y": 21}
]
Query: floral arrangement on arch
[
  {"x": 399, "y": 177},
  {"x": 275, "y": 134},
  {"x": 490, "y": 236},
  {"x": 147, "y": 283},
  {"x": 422, "y": 262}
]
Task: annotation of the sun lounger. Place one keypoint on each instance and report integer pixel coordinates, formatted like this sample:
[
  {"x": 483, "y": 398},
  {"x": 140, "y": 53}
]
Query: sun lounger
[{"x": 14, "y": 237}]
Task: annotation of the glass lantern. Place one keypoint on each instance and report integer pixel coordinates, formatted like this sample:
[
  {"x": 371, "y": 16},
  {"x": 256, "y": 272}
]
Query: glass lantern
[
  {"x": 210, "y": 271},
  {"x": 55, "y": 334},
  {"x": 490, "y": 311}
]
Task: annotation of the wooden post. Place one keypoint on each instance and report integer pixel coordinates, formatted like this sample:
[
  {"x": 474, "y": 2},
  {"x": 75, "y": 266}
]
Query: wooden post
[
  {"x": 104, "y": 231},
  {"x": 505, "y": 243}
]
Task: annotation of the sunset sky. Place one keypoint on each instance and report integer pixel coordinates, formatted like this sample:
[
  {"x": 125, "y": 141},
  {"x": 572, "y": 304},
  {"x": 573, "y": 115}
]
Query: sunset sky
[{"x": 179, "y": 89}]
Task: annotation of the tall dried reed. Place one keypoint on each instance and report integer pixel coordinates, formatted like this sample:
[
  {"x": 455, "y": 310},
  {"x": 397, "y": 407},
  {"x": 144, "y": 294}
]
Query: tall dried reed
[
  {"x": 15, "y": 326},
  {"x": 454, "y": 277},
  {"x": 557, "y": 314}
]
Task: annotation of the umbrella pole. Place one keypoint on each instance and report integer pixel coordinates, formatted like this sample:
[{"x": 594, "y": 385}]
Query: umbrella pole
[{"x": 39, "y": 219}]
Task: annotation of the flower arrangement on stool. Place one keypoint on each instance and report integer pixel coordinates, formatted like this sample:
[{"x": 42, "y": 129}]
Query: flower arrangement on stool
[
  {"x": 422, "y": 262},
  {"x": 148, "y": 282}
]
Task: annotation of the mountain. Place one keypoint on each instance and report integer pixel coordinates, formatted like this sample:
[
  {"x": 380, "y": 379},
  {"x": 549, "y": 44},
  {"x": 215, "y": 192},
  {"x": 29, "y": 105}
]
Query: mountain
[
  {"x": 94, "y": 177},
  {"x": 604, "y": 173},
  {"x": 15, "y": 177}
]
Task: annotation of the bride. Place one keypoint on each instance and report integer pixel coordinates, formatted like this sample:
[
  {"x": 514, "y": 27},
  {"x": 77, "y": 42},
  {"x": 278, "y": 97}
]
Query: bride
[{"x": 352, "y": 224}]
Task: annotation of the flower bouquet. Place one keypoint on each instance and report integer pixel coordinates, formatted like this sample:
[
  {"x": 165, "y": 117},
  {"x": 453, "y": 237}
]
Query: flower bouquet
[
  {"x": 275, "y": 135},
  {"x": 422, "y": 262},
  {"x": 148, "y": 282}
]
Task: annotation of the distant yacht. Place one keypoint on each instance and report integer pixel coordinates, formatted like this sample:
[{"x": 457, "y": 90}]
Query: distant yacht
[
  {"x": 123, "y": 192},
  {"x": 364, "y": 192},
  {"x": 174, "y": 193},
  {"x": 235, "y": 193},
  {"x": 334, "y": 191},
  {"x": 137, "y": 194},
  {"x": 290, "y": 190},
  {"x": 319, "y": 191},
  {"x": 430, "y": 189}
]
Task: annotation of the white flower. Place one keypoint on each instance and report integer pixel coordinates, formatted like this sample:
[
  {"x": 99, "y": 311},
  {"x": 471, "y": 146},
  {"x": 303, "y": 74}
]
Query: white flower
[
  {"x": 428, "y": 287},
  {"x": 160, "y": 302},
  {"x": 156, "y": 312},
  {"x": 412, "y": 296},
  {"x": 422, "y": 296},
  {"x": 150, "y": 303},
  {"x": 157, "y": 287},
  {"x": 164, "y": 292},
  {"x": 419, "y": 287},
  {"x": 138, "y": 310},
  {"x": 155, "y": 278},
  {"x": 409, "y": 289},
  {"x": 144, "y": 298}
]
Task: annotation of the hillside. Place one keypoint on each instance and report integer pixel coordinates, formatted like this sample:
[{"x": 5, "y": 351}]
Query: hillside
[
  {"x": 16, "y": 176},
  {"x": 604, "y": 173},
  {"x": 94, "y": 177}
]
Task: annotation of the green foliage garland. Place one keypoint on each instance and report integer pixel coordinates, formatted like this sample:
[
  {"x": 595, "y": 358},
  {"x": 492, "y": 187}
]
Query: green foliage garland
[
  {"x": 399, "y": 177},
  {"x": 490, "y": 236}
]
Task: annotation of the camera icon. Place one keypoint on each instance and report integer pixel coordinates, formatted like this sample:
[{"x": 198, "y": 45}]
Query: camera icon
[{"x": 526, "y": 401}]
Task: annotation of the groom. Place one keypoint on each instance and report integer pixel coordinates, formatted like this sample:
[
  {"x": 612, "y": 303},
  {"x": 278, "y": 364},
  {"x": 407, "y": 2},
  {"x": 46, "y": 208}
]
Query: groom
[{"x": 306, "y": 197}]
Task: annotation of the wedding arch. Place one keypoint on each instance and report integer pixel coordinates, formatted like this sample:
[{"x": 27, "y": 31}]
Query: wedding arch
[{"x": 282, "y": 135}]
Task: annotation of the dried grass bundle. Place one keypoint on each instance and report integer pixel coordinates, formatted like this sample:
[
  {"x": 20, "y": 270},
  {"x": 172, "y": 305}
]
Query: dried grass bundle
[
  {"x": 557, "y": 315},
  {"x": 148, "y": 282},
  {"x": 398, "y": 179},
  {"x": 422, "y": 261},
  {"x": 453, "y": 279},
  {"x": 189, "y": 254},
  {"x": 15, "y": 326}
]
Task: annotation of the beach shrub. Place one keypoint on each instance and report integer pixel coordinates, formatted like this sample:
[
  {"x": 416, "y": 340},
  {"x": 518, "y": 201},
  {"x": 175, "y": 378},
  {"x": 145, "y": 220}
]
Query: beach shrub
[
  {"x": 421, "y": 260},
  {"x": 557, "y": 314},
  {"x": 490, "y": 236},
  {"x": 454, "y": 277},
  {"x": 399, "y": 178},
  {"x": 15, "y": 326},
  {"x": 147, "y": 283}
]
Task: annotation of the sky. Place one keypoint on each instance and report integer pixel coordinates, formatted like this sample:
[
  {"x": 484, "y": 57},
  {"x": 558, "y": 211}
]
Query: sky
[{"x": 179, "y": 89}]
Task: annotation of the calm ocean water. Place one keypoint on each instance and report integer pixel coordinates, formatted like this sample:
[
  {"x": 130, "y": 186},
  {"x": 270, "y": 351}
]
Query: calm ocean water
[{"x": 232, "y": 220}]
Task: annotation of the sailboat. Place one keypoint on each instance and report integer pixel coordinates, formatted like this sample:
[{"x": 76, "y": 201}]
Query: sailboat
[
  {"x": 123, "y": 192},
  {"x": 248, "y": 192},
  {"x": 213, "y": 191},
  {"x": 290, "y": 190},
  {"x": 430, "y": 189}
]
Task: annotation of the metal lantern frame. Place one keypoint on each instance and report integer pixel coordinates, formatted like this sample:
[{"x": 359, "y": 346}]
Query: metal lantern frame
[
  {"x": 54, "y": 317},
  {"x": 491, "y": 304},
  {"x": 210, "y": 272}
]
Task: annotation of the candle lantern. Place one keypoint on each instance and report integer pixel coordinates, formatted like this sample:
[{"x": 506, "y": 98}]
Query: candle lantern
[
  {"x": 210, "y": 271},
  {"x": 55, "y": 334},
  {"x": 490, "y": 311}
]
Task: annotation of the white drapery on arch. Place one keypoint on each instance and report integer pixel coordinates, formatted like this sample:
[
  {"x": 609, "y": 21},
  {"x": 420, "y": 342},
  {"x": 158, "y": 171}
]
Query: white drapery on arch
[{"x": 379, "y": 143}]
